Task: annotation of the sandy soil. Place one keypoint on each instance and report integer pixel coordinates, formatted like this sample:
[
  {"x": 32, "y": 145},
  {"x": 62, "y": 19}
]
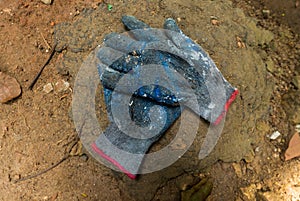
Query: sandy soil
[{"x": 36, "y": 129}]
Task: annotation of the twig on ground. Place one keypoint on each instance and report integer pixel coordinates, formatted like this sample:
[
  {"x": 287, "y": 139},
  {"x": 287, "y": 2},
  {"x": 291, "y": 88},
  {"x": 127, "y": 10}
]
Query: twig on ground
[
  {"x": 42, "y": 68},
  {"x": 75, "y": 141}
]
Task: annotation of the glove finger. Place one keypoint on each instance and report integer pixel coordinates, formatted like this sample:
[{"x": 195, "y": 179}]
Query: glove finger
[
  {"x": 132, "y": 23},
  {"x": 148, "y": 35},
  {"x": 169, "y": 67},
  {"x": 108, "y": 56},
  {"x": 124, "y": 43},
  {"x": 142, "y": 31},
  {"x": 176, "y": 35},
  {"x": 179, "y": 38},
  {"x": 149, "y": 39},
  {"x": 154, "y": 92},
  {"x": 170, "y": 24},
  {"x": 155, "y": 37},
  {"x": 110, "y": 35},
  {"x": 124, "y": 63},
  {"x": 110, "y": 78}
]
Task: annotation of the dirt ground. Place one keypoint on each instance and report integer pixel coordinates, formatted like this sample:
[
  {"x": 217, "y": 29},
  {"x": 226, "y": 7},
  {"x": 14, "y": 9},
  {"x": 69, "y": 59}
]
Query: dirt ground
[{"x": 37, "y": 131}]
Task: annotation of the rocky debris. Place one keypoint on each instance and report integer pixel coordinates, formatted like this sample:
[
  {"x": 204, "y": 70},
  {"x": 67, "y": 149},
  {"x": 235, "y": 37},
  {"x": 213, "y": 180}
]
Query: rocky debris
[
  {"x": 9, "y": 88},
  {"x": 214, "y": 21},
  {"x": 240, "y": 42},
  {"x": 239, "y": 169},
  {"x": 8, "y": 11},
  {"x": 275, "y": 135},
  {"x": 297, "y": 128},
  {"x": 62, "y": 86},
  {"x": 249, "y": 192},
  {"x": 48, "y": 2},
  {"x": 266, "y": 13},
  {"x": 48, "y": 88}
]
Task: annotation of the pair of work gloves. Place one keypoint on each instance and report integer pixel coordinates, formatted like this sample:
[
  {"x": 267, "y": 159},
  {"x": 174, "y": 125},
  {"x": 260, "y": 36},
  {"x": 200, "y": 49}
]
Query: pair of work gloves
[{"x": 149, "y": 76}]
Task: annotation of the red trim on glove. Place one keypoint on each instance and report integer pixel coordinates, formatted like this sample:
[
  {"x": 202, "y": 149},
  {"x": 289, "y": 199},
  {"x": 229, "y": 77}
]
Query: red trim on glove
[
  {"x": 228, "y": 103},
  {"x": 113, "y": 161}
]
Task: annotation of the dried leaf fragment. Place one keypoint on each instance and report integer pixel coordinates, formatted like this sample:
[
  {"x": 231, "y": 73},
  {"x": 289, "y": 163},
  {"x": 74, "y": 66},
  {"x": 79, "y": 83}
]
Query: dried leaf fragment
[
  {"x": 294, "y": 147},
  {"x": 240, "y": 42},
  {"x": 215, "y": 22}
]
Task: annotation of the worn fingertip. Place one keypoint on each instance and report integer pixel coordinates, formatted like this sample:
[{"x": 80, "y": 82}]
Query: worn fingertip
[
  {"x": 109, "y": 36},
  {"x": 171, "y": 25},
  {"x": 128, "y": 17},
  {"x": 131, "y": 23}
]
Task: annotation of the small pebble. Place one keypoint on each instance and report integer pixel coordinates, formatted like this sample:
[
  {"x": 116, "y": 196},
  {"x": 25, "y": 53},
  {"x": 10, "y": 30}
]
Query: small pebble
[
  {"x": 48, "y": 88},
  {"x": 258, "y": 186},
  {"x": 298, "y": 128},
  {"x": 9, "y": 88},
  {"x": 275, "y": 135},
  {"x": 215, "y": 22},
  {"x": 62, "y": 85},
  {"x": 48, "y": 2},
  {"x": 266, "y": 13},
  {"x": 8, "y": 11},
  {"x": 240, "y": 42},
  {"x": 16, "y": 177},
  {"x": 238, "y": 169}
]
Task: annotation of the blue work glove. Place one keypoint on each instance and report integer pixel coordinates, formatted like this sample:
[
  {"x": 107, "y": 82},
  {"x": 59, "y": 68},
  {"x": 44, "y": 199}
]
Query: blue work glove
[{"x": 176, "y": 53}]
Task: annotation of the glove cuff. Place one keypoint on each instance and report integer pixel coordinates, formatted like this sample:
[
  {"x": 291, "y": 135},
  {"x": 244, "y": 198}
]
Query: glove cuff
[
  {"x": 112, "y": 161},
  {"x": 226, "y": 106}
]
